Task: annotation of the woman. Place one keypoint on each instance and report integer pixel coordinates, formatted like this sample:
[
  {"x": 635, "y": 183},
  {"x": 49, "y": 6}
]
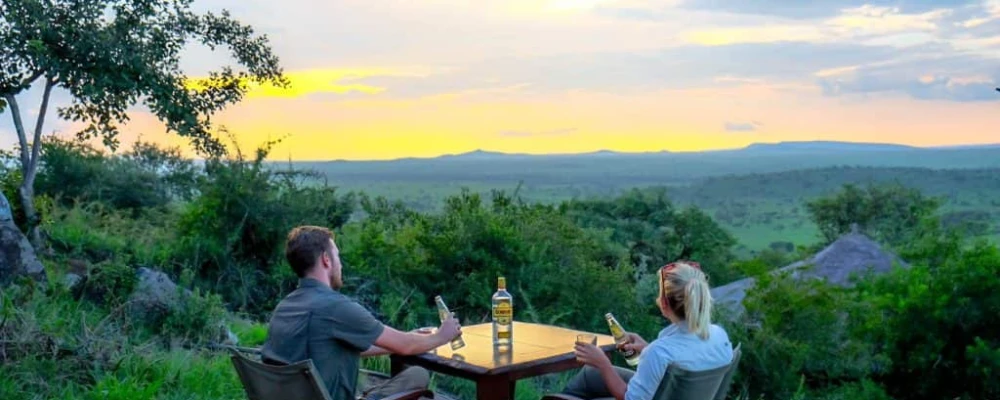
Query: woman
[{"x": 691, "y": 341}]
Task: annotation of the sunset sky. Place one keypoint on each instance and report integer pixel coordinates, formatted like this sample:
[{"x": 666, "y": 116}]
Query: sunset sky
[{"x": 381, "y": 79}]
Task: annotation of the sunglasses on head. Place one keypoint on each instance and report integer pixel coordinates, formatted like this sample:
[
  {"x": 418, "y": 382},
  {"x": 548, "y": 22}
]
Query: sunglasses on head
[{"x": 671, "y": 266}]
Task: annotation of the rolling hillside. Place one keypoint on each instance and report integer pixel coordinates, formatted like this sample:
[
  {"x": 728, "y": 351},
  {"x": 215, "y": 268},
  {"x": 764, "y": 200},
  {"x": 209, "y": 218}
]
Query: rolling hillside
[{"x": 757, "y": 192}]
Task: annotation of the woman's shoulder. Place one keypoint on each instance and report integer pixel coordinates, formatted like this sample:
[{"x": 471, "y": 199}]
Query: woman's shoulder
[{"x": 716, "y": 329}]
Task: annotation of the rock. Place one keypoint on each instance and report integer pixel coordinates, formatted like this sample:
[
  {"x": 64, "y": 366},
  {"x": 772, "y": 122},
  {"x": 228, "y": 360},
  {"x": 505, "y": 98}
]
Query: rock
[
  {"x": 71, "y": 280},
  {"x": 853, "y": 253},
  {"x": 17, "y": 257},
  {"x": 156, "y": 294}
]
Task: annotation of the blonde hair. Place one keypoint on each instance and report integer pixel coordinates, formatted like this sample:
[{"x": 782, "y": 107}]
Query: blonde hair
[{"x": 685, "y": 290}]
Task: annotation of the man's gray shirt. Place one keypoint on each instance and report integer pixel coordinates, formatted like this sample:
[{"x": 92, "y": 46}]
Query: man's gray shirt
[{"x": 318, "y": 323}]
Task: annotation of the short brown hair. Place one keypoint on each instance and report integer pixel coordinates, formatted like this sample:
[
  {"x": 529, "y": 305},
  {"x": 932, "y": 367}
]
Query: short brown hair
[{"x": 306, "y": 244}]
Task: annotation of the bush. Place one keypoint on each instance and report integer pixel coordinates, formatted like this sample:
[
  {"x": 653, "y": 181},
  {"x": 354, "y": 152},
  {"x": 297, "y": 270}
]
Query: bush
[
  {"x": 110, "y": 283},
  {"x": 558, "y": 273},
  {"x": 95, "y": 232},
  {"x": 798, "y": 333},
  {"x": 145, "y": 177},
  {"x": 937, "y": 323},
  {"x": 655, "y": 232},
  {"x": 233, "y": 233}
]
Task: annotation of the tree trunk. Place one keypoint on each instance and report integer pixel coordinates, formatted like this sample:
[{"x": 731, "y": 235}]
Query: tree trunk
[
  {"x": 29, "y": 159},
  {"x": 28, "y": 205}
]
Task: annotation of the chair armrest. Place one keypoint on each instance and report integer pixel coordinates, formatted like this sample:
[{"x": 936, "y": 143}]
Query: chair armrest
[
  {"x": 559, "y": 396},
  {"x": 411, "y": 395}
]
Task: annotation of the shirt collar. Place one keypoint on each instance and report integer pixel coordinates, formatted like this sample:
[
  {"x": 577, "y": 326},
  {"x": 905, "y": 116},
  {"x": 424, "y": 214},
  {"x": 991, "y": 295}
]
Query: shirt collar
[
  {"x": 309, "y": 283},
  {"x": 678, "y": 328}
]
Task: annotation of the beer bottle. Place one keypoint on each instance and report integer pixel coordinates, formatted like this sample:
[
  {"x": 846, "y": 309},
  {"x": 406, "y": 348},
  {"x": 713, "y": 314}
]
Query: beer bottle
[
  {"x": 503, "y": 315},
  {"x": 443, "y": 312},
  {"x": 631, "y": 356}
]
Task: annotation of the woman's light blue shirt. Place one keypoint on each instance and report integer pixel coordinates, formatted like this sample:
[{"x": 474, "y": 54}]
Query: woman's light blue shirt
[{"x": 675, "y": 344}]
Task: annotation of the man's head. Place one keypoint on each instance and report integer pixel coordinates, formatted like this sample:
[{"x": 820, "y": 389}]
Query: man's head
[{"x": 311, "y": 251}]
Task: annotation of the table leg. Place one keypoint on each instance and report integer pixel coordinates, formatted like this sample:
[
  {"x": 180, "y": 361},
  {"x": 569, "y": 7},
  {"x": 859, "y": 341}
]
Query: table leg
[
  {"x": 395, "y": 365},
  {"x": 495, "y": 387}
]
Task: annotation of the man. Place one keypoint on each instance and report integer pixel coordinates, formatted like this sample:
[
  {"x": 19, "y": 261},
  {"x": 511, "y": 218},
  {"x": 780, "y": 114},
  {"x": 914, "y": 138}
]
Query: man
[{"x": 317, "y": 322}]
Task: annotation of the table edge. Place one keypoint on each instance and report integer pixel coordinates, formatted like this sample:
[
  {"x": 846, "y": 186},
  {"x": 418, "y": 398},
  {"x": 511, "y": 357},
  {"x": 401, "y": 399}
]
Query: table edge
[{"x": 466, "y": 369}]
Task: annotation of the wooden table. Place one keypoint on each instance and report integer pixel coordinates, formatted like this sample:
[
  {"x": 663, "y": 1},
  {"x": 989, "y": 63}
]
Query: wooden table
[{"x": 537, "y": 350}]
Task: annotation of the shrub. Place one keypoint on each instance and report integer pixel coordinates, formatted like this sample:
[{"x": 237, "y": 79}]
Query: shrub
[
  {"x": 233, "y": 233},
  {"x": 110, "y": 283},
  {"x": 937, "y": 323},
  {"x": 558, "y": 273},
  {"x": 147, "y": 176},
  {"x": 197, "y": 318},
  {"x": 797, "y": 333}
]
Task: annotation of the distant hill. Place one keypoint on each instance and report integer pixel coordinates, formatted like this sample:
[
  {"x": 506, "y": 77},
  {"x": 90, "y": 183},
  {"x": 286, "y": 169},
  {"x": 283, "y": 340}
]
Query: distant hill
[
  {"x": 825, "y": 146},
  {"x": 654, "y": 168}
]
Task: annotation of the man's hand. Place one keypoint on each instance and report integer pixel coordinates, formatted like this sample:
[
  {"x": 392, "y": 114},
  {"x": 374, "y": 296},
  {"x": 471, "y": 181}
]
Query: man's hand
[
  {"x": 634, "y": 342},
  {"x": 591, "y": 355},
  {"x": 449, "y": 329}
]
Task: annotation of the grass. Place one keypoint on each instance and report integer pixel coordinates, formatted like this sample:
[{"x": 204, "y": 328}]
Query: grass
[{"x": 105, "y": 357}]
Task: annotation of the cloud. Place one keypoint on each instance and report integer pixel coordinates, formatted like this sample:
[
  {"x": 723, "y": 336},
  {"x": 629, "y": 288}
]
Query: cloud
[
  {"x": 335, "y": 81},
  {"x": 965, "y": 78},
  {"x": 817, "y": 8},
  {"x": 848, "y": 25},
  {"x": 521, "y": 134},
  {"x": 681, "y": 67},
  {"x": 742, "y": 126}
]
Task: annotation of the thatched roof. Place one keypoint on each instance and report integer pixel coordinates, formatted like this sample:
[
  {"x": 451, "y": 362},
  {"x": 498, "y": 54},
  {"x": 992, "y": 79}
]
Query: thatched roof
[{"x": 853, "y": 253}]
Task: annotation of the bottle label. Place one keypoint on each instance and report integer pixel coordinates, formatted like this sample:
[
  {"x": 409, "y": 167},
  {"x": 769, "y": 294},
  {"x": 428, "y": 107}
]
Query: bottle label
[
  {"x": 503, "y": 313},
  {"x": 616, "y": 331}
]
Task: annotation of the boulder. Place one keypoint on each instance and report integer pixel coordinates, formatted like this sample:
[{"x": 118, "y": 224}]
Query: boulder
[
  {"x": 155, "y": 294},
  {"x": 17, "y": 257},
  {"x": 853, "y": 253}
]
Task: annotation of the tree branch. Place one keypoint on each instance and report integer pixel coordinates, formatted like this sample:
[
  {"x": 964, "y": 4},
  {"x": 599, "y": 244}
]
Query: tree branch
[
  {"x": 15, "y": 112},
  {"x": 36, "y": 145},
  {"x": 27, "y": 82}
]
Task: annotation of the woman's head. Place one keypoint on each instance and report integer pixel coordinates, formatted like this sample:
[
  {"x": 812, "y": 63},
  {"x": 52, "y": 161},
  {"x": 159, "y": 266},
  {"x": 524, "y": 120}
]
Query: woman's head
[{"x": 685, "y": 296}]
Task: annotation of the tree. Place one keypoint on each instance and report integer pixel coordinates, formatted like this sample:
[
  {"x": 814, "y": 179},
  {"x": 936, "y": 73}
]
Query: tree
[
  {"x": 656, "y": 232},
  {"x": 889, "y": 213},
  {"x": 112, "y": 54}
]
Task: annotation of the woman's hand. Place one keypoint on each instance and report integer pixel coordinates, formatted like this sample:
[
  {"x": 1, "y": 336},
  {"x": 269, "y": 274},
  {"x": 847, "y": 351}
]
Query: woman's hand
[
  {"x": 634, "y": 342},
  {"x": 591, "y": 355}
]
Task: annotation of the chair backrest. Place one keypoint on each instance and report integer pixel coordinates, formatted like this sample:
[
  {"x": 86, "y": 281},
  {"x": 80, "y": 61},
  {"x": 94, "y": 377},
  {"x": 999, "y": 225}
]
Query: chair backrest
[
  {"x": 713, "y": 384},
  {"x": 727, "y": 380},
  {"x": 273, "y": 382}
]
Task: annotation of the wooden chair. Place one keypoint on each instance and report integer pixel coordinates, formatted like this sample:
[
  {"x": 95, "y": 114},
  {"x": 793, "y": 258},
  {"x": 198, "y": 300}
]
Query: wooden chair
[
  {"x": 298, "y": 381},
  {"x": 681, "y": 384}
]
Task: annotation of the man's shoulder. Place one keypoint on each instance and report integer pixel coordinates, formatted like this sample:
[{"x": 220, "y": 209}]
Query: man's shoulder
[
  {"x": 336, "y": 303},
  {"x": 315, "y": 301}
]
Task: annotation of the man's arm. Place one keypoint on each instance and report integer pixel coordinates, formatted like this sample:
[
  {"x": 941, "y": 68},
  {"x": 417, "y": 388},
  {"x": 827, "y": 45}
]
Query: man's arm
[
  {"x": 375, "y": 351},
  {"x": 408, "y": 343}
]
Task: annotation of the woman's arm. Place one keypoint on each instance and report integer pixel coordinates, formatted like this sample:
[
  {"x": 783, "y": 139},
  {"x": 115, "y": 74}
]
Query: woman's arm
[
  {"x": 593, "y": 356},
  {"x": 651, "y": 370},
  {"x": 616, "y": 386}
]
